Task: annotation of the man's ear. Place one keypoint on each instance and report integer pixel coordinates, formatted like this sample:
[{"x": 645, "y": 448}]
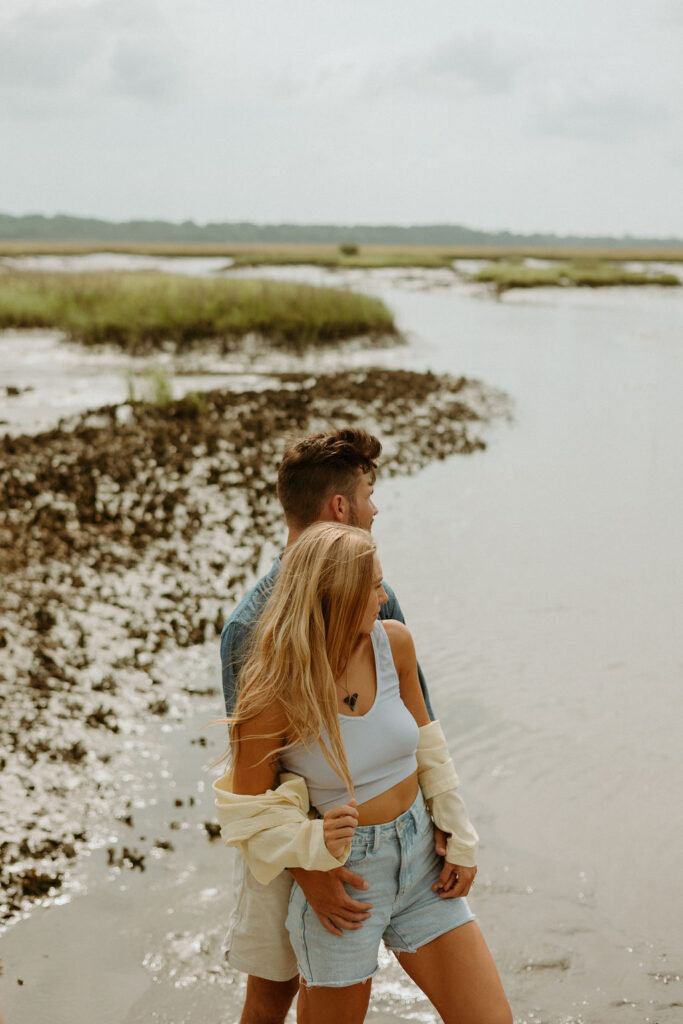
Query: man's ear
[{"x": 338, "y": 507}]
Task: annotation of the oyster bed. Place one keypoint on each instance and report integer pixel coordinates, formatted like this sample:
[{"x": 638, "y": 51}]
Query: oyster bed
[{"x": 126, "y": 534}]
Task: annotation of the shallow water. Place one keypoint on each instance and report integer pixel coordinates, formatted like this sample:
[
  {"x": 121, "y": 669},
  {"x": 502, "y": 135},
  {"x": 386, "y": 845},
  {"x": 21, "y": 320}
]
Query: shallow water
[
  {"x": 543, "y": 583},
  {"x": 555, "y": 656}
]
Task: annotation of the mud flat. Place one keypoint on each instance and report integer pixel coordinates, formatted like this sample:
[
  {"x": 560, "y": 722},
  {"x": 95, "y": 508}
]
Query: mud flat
[{"x": 126, "y": 534}]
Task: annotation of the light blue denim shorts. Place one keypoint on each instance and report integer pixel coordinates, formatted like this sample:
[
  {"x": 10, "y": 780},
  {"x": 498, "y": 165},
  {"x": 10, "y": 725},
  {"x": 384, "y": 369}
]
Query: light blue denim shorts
[{"x": 399, "y": 862}]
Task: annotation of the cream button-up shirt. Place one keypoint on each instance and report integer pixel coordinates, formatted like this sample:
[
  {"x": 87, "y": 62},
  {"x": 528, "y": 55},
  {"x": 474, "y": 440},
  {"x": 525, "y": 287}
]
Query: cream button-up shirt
[{"x": 273, "y": 830}]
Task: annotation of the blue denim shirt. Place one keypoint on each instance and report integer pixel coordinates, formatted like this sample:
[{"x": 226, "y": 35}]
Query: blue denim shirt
[{"x": 237, "y": 630}]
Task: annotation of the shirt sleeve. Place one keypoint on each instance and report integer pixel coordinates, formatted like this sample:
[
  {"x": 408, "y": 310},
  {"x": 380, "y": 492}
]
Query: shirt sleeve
[
  {"x": 273, "y": 830},
  {"x": 391, "y": 609},
  {"x": 233, "y": 652},
  {"x": 439, "y": 784}
]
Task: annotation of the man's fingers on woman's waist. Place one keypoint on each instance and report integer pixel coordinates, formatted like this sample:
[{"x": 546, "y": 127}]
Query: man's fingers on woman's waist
[
  {"x": 336, "y": 923},
  {"x": 355, "y": 906},
  {"x": 343, "y": 898},
  {"x": 329, "y": 926},
  {"x": 348, "y": 924},
  {"x": 348, "y": 905},
  {"x": 351, "y": 878}
]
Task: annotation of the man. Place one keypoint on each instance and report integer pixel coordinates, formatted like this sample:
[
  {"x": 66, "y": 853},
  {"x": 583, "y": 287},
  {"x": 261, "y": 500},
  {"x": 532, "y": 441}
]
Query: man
[{"x": 322, "y": 478}]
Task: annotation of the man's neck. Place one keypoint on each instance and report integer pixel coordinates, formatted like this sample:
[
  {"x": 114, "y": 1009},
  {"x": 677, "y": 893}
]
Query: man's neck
[
  {"x": 294, "y": 532},
  {"x": 293, "y": 535}
]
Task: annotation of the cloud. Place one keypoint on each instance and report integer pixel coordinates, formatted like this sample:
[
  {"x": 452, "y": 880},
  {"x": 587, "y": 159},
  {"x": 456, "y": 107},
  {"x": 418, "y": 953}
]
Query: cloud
[
  {"x": 480, "y": 64},
  {"x": 671, "y": 14},
  {"x": 142, "y": 69},
  {"x": 65, "y": 59},
  {"x": 39, "y": 50},
  {"x": 475, "y": 65},
  {"x": 596, "y": 115}
]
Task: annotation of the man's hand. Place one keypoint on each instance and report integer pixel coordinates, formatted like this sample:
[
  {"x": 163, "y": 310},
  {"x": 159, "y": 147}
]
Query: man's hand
[
  {"x": 454, "y": 880},
  {"x": 325, "y": 892}
]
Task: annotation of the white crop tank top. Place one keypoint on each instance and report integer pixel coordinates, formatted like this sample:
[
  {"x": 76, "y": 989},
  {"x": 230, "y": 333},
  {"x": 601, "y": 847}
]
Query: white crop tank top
[{"x": 380, "y": 745}]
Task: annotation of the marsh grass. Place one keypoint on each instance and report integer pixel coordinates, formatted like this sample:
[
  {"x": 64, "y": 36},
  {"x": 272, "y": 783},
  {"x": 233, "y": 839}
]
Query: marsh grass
[
  {"x": 586, "y": 272},
  {"x": 153, "y": 387},
  {"x": 342, "y": 258},
  {"x": 142, "y": 311},
  {"x": 401, "y": 255}
]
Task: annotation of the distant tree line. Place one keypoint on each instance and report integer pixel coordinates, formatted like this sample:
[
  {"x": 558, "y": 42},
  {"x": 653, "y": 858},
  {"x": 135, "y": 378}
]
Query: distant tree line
[{"x": 62, "y": 228}]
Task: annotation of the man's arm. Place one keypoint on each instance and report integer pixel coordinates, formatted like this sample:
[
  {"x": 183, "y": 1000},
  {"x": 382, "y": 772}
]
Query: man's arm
[
  {"x": 233, "y": 645},
  {"x": 391, "y": 609}
]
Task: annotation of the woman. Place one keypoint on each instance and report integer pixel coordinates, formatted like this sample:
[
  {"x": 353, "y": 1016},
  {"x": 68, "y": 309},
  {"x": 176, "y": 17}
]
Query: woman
[{"x": 332, "y": 695}]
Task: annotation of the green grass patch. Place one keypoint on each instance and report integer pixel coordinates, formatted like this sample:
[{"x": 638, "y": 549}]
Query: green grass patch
[
  {"x": 154, "y": 387},
  {"x": 142, "y": 311},
  {"x": 506, "y": 274}
]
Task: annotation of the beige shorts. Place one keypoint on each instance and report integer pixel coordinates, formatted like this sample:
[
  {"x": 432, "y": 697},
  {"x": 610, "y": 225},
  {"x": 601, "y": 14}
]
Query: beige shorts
[{"x": 257, "y": 941}]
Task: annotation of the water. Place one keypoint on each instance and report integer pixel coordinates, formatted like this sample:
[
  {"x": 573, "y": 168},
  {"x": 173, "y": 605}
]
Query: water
[
  {"x": 547, "y": 606},
  {"x": 543, "y": 582}
]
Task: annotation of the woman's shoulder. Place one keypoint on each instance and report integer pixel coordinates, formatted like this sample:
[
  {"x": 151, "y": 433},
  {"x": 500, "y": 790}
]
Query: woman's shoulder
[
  {"x": 270, "y": 720},
  {"x": 400, "y": 639},
  {"x": 394, "y": 627}
]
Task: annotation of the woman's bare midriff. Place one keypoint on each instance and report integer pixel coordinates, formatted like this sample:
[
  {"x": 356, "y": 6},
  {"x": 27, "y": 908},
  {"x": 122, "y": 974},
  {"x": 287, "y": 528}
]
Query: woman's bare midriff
[{"x": 389, "y": 805}]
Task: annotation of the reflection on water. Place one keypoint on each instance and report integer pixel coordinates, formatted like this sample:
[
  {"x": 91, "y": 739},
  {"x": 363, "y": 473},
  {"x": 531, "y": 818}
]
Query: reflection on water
[{"x": 543, "y": 582}]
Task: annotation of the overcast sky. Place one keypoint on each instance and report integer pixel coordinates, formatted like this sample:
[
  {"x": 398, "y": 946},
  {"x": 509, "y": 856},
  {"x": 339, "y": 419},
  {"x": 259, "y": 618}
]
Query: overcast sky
[{"x": 527, "y": 115}]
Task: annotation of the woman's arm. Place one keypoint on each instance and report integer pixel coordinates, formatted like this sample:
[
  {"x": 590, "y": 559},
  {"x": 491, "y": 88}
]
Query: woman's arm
[
  {"x": 256, "y": 770},
  {"x": 405, "y": 660},
  {"x": 270, "y": 823},
  {"x": 255, "y": 766}
]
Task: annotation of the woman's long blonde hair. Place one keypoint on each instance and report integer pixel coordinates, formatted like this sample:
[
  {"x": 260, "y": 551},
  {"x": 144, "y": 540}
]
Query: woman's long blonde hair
[{"x": 305, "y": 636}]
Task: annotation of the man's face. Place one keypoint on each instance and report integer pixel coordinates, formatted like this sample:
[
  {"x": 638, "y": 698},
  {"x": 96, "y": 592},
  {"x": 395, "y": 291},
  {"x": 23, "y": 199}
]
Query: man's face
[{"x": 362, "y": 509}]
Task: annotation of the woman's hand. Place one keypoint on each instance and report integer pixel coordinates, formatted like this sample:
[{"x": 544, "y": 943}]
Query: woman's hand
[
  {"x": 454, "y": 880},
  {"x": 339, "y": 824}
]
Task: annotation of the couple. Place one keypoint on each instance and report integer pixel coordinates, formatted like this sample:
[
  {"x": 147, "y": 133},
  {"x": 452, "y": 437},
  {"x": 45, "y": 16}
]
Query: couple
[{"x": 333, "y": 716}]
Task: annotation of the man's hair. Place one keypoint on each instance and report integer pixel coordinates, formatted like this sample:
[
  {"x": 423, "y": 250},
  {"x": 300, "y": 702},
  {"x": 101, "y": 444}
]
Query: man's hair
[{"x": 318, "y": 466}]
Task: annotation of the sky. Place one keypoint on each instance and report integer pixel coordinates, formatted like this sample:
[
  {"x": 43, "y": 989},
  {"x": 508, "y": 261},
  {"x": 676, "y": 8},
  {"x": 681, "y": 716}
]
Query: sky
[{"x": 525, "y": 116}]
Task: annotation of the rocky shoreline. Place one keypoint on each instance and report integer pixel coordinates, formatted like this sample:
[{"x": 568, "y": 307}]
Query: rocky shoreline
[{"x": 126, "y": 534}]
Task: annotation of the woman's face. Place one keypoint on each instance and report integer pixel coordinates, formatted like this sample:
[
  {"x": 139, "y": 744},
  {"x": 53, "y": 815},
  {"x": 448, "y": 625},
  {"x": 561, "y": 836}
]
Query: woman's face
[{"x": 378, "y": 596}]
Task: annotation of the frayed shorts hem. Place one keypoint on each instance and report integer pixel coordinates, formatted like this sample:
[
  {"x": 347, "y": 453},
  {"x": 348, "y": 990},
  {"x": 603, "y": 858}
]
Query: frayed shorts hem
[
  {"x": 423, "y": 942},
  {"x": 335, "y": 984}
]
